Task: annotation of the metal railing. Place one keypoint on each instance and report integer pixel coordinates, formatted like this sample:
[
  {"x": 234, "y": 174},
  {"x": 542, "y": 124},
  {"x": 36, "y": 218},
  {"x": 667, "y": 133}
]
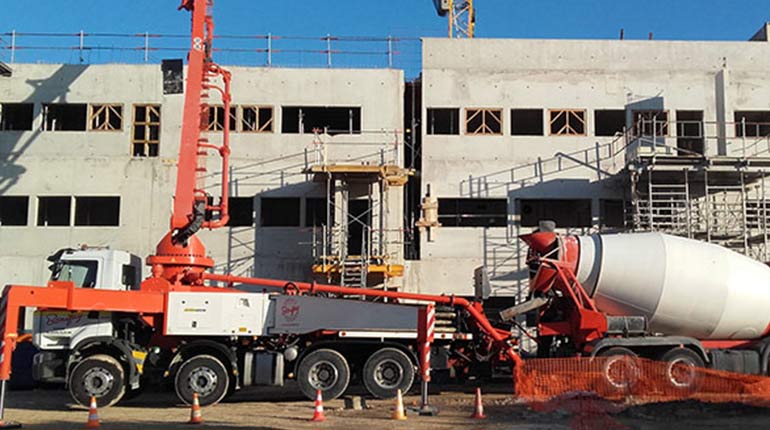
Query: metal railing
[{"x": 84, "y": 47}]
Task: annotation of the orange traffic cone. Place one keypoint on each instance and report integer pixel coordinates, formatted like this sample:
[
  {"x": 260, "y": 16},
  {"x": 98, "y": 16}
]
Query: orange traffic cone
[
  {"x": 318, "y": 413},
  {"x": 398, "y": 413},
  {"x": 478, "y": 410},
  {"x": 93, "y": 416},
  {"x": 195, "y": 411}
]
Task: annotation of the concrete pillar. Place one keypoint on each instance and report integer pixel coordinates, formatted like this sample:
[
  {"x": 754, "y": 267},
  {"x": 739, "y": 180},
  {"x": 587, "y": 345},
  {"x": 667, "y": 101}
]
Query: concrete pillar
[{"x": 722, "y": 83}]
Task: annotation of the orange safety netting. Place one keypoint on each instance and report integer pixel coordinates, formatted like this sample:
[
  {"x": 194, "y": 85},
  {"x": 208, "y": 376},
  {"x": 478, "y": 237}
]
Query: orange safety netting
[{"x": 636, "y": 380}]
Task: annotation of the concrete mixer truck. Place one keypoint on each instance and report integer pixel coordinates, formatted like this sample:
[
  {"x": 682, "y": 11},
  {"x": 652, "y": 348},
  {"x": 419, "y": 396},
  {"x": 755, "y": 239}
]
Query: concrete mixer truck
[{"x": 680, "y": 301}]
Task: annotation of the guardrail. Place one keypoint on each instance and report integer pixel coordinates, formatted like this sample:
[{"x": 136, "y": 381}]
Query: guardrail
[{"x": 249, "y": 50}]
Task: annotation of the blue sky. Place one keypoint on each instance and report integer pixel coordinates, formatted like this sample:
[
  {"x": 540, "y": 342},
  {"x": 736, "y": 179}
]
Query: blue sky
[{"x": 667, "y": 19}]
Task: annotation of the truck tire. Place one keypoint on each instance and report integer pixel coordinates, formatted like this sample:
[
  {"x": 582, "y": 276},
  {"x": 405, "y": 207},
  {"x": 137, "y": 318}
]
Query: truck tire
[
  {"x": 100, "y": 376},
  {"x": 386, "y": 371},
  {"x": 680, "y": 372},
  {"x": 325, "y": 370},
  {"x": 202, "y": 374},
  {"x": 620, "y": 370}
]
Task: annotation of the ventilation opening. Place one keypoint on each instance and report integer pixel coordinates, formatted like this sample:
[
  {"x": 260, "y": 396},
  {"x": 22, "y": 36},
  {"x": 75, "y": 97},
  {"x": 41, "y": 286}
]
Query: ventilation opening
[
  {"x": 14, "y": 210},
  {"x": 473, "y": 212},
  {"x": 526, "y": 122},
  {"x": 97, "y": 211},
  {"x": 16, "y": 116},
  {"x": 332, "y": 120},
  {"x": 752, "y": 123},
  {"x": 609, "y": 122},
  {"x": 567, "y": 213},
  {"x": 279, "y": 212},
  {"x": 53, "y": 211},
  {"x": 444, "y": 121},
  {"x": 64, "y": 117},
  {"x": 241, "y": 211}
]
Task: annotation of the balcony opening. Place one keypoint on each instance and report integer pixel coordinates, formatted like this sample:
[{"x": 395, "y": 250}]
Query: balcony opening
[
  {"x": 609, "y": 122},
  {"x": 279, "y": 212},
  {"x": 567, "y": 213},
  {"x": 473, "y": 212},
  {"x": 97, "y": 211},
  {"x": 65, "y": 117},
  {"x": 443, "y": 121},
  {"x": 16, "y": 116},
  {"x": 331, "y": 120},
  {"x": 526, "y": 122},
  {"x": 54, "y": 211}
]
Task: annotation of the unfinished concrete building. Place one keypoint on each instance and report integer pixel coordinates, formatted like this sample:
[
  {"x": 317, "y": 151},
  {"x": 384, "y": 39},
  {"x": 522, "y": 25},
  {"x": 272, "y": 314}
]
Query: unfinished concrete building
[{"x": 331, "y": 166}]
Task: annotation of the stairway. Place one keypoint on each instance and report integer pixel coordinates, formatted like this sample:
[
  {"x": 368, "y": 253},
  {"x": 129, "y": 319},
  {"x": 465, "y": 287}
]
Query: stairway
[{"x": 353, "y": 272}]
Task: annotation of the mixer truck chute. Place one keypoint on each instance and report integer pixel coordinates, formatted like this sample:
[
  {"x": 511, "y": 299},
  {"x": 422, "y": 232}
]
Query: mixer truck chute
[{"x": 684, "y": 302}]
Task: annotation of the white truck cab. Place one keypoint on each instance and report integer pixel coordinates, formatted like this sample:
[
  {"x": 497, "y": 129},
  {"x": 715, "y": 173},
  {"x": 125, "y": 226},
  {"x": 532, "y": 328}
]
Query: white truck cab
[{"x": 98, "y": 268}]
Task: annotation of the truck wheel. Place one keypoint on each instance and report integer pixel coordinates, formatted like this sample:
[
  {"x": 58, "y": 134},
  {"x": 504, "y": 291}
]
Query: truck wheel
[
  {"x": 386, "y": 371},
  {"x": 325, "y": 370},
  {"x": 680, "y": 371},
  {"x": 620, "y": 369},
  {"x": 100, "y": 376},
  {"x": 205, "y": 375}
]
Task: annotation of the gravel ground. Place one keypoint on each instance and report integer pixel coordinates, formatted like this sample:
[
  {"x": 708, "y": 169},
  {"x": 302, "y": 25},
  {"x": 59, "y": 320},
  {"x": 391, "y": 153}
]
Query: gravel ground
[{"x": 286, "y": 409}]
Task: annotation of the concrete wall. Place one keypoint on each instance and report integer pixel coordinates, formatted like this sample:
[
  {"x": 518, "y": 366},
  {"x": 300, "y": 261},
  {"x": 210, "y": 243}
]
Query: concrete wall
[
  {"x": 44, "y": 163},
  {"x": 715, "y": 77}
]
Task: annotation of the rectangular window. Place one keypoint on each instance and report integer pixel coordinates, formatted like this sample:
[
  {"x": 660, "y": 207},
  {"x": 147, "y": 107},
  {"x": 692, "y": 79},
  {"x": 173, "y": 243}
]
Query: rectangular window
[
  {"x": 609, "y": 122},
  {"x": 16, "y": 116},
  {"x": 315, "y": 212},
  {"x": 526, "y": 122},
  {"x": 217, "y": 118},
  {"x": 567, "y": 213},
  {"x": 64, "y": 117},
  {"x": 651, "y": 123},
  {"x": 443, "y": 121},
  {"x": 14, "y": 210},
  {"x": 332, "y": 120},
  {"x": 567, "y": 122},
  {"x": 257, "y": 119},
  {"x": 755, "y": 123},
  {"x": 689, "y": 132},
  {"x": 54, "y": 211},
  {"x": 483, "y": 121},
  {"x": 279, "y": 212},
  {"x": 473, "y": 212},
  {"x": 241, "y": 210},
  {"x": 145, "y": 137},
  {"x": 106, "y": 117},
  {"x": 97, "y": 211},
  {"x": 612, "y": 213}
]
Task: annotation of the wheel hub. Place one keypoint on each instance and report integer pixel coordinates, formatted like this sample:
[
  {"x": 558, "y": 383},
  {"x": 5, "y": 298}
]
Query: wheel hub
[
  {"x": 388, "y": 374},
  {"x": 621, "y": 371},
  {"x": 203, "y": 381},
  {"x": 98, "y": 381},
  {"x": 681, "y": 372},
  {"x": 323, "y": 375}
]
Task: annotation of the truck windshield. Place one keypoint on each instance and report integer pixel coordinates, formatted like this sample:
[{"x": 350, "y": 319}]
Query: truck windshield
[{"x": 81, "y": 273}]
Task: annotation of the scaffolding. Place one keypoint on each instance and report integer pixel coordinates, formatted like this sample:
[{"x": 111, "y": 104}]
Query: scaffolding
[{"x": 356, "y": 245}]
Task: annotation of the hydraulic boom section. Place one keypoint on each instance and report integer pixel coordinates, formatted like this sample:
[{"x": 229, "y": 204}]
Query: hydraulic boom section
[{"x": 179, "y": 252}]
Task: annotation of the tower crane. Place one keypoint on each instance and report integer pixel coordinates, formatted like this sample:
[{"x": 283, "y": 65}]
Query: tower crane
[{"x": 461, "y": 17}]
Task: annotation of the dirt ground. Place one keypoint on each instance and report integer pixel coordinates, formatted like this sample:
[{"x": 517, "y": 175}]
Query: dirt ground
[{"x": 286, "y": 409}]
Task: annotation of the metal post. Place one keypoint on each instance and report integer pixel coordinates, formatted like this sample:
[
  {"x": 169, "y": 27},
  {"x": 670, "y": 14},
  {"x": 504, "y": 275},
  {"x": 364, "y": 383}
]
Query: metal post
[
  {"x": 269, "y": 49},
  {"x": 13, "y": 46},
  {"x": 425, "y": 332},
  {"x": 687, "y": 203},
  {"x": 708, "y": 204},
  {"x": 598, "y": 162},
  {"x": 328, "y": 50},
  {"x": 82, "y": 35},
  {"x": 390, "y": 52},
  {"x": 146, "y": 47},
  {"x": 764, "y": 218},
  {"x": 649, "y": 200},
  {"x": 745, "y": 216},
  {"x": 743, "y": 136}
]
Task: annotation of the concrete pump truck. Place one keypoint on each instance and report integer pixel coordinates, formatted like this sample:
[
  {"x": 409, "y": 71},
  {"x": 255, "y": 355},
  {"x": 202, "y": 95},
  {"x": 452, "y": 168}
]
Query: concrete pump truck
[{"x": 105, "y": 333}]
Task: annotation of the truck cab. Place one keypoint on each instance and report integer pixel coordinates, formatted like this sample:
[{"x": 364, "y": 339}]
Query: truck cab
[
  {"x": 60, "y": 335},
  {"x": 98, "y": 268}
]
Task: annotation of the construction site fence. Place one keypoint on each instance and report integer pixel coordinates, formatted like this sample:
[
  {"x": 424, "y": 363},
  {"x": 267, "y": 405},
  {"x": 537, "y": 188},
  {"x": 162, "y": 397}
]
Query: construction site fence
[
  {"x": 634, "y": 380},
  {"x": 84, "y": 47}
]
